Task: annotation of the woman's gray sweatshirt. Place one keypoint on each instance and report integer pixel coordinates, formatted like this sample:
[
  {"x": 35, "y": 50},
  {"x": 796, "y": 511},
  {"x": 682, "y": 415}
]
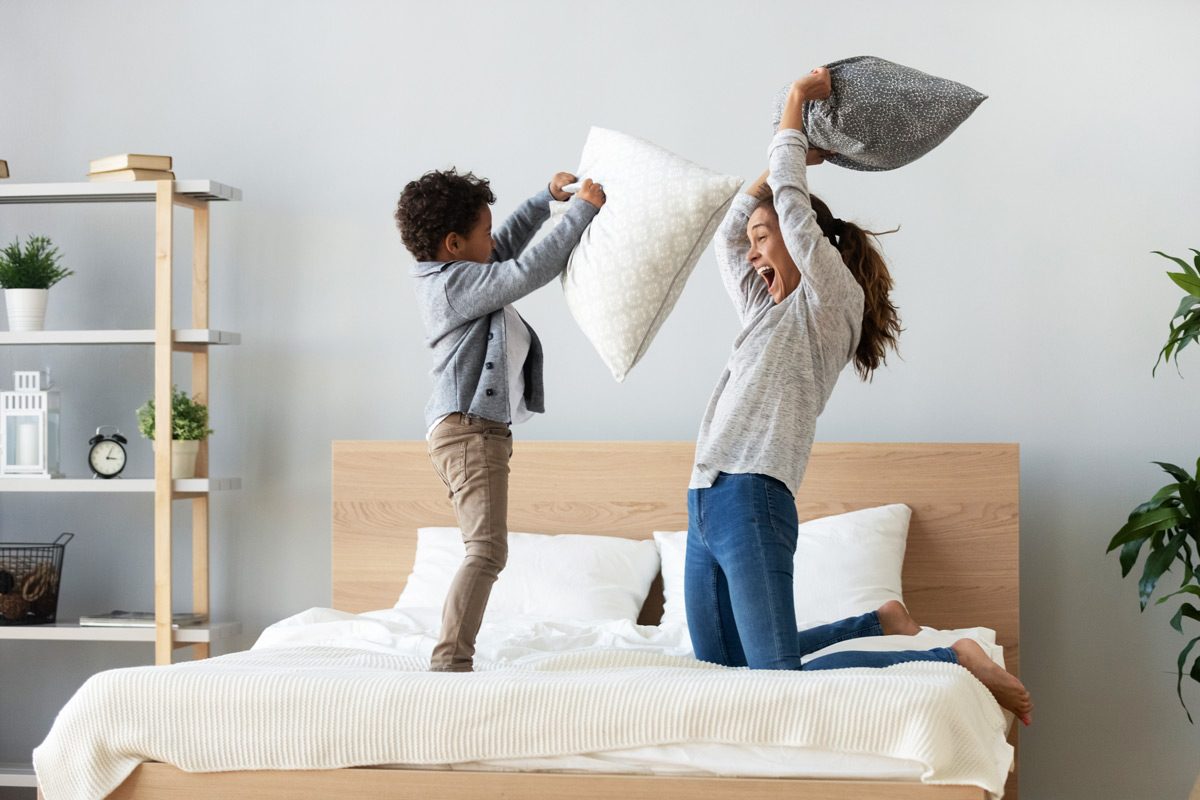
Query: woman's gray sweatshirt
[{"x": 763, "y": 414}]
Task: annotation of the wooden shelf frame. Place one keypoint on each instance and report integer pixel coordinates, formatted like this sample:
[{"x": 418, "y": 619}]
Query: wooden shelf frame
[{"x": 166, "y": 339}]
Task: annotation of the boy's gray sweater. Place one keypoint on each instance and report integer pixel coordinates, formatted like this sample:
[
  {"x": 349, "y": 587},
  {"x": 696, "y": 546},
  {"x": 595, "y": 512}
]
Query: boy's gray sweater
[{"x": 462, "y": 306}]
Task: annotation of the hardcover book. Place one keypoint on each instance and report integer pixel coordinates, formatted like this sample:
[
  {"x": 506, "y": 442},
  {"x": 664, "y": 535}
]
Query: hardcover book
[
  {"x": 132, "y": 175},
  {"x": 130, "y": 161}
]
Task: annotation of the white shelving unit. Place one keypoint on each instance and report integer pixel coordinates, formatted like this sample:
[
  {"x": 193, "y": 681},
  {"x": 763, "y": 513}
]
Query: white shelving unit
[
  {"x": 184, "y": 337},
  {"x": 166, "y": 339},
  {"x": 114, "y": 192},
  {"x": 74, "y": 632},
  {"x": 14, "y": 774}
]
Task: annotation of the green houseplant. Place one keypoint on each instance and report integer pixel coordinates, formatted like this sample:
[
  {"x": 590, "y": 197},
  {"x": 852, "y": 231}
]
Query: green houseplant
[
  {"x": 27, "y": 273},
  {"x": 189, "y": 425},
  {"x": 1168, "y": 524}
]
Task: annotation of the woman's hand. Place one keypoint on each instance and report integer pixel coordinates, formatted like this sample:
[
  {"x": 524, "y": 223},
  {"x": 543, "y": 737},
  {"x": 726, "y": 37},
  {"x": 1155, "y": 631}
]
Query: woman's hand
[
  {"x": 560, "y": 180},
  {"x": 759, "y": 190},
  {"x": 816, "y": 85},
  {"x": 816, "y": 156}
]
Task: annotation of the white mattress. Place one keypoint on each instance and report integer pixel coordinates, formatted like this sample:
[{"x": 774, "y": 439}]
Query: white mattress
[{"x": 596, "y": 697}]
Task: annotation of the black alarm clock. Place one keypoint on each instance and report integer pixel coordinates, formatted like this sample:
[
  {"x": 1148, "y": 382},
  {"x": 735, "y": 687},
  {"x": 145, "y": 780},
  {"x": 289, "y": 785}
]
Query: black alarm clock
[{"x": 106, "y": 455}]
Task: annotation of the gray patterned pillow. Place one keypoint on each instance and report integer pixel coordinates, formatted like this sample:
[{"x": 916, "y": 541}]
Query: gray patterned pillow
[{"x": 882, "y": 115}]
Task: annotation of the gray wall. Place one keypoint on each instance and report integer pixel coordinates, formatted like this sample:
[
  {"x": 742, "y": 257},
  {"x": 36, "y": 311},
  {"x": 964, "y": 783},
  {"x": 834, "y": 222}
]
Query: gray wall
[{"x": 1033, "y": 309}]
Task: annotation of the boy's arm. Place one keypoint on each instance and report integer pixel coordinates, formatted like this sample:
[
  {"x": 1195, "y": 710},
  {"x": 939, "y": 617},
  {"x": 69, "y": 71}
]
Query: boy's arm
[
  {"x": 745, "y": 287},
  {"x": 827, "y": 281},
  {"x": 517, "y": 231},
  {"x": 476, "y": 290}
]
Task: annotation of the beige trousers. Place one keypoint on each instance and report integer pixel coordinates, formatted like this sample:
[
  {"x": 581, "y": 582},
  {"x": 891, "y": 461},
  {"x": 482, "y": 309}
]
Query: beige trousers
[{"x": 471, "y": 457}]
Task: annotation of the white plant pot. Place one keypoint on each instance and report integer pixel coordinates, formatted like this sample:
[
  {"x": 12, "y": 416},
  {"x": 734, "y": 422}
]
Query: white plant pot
[
  {"x": 183, "y": 458},
  {"x": 26, "y": 308}
]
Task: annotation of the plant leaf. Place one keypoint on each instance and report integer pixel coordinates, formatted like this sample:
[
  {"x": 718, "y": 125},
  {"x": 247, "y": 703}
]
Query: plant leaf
[
  {"x": 1146, "y": 524},
  {"x": 1129, "y": 555},
  {"x": 1158, "y": 562},
  {"x": 1186, "y": 305},
  {"x": 1193, "y": 589},
  {"x": 1186, "y": 266},
  {"x": 1179, "y": 682},
  {"x": 1185, "y": 610},
  {"x": 1186, "y": 488},
  {"x": 1189, "y": 283},
  {"x": 1178, "y": 473}
]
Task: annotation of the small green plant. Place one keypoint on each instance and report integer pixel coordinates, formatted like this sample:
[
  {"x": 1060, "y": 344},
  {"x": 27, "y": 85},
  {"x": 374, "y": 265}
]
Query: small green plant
[
  {"x": 1188, "y": 314},
  {"x": 1169, "y": 522},
  {"x": 189, "y": 419},
  {"x": 36, "y": 266}
]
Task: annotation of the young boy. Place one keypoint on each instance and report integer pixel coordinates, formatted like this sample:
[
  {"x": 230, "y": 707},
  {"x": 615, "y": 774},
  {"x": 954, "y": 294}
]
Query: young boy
[{"x": 487, "y": 361}]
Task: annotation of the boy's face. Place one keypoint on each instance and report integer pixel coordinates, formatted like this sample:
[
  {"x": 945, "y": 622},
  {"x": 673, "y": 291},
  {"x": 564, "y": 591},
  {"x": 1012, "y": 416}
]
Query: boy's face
[{"x": 476, "y": 245}]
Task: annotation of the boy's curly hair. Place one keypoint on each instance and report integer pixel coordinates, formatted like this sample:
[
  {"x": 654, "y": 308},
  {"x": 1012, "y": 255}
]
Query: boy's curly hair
[{"x": 439, "y": 203}]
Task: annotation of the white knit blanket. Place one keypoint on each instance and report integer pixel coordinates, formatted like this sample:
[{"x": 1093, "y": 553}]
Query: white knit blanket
[{"x": 304, "y": 700}]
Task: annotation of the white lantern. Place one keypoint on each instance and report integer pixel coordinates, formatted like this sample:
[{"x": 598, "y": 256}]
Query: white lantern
[{"x": 29, "y": 428}]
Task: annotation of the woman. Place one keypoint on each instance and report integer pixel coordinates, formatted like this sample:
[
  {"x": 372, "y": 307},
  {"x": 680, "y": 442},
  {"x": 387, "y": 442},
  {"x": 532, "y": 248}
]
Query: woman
[{"x": 812, "y": 295}]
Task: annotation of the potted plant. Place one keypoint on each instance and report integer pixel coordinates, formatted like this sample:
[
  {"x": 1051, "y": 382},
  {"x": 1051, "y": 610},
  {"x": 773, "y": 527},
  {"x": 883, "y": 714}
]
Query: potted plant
[
  {"x": 1169, "y": 522},
  {"x": 189, "y": 425},
  {"x": 27, "y": 275}
]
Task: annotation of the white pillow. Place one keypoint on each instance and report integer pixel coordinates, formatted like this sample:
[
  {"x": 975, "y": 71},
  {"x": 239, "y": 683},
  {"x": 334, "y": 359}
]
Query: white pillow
[
  {"x": 624, "y": 276},
  {"x": 846, "y": 565},
  {"x": 564, "y": 577}
]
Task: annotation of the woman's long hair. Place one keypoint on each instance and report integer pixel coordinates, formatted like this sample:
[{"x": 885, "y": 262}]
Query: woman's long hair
[{"x": 881, "y": 319}]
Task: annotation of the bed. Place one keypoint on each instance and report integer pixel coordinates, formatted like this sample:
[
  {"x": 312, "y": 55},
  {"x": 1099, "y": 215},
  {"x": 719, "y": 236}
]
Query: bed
[{"x": 961, "y": 570}]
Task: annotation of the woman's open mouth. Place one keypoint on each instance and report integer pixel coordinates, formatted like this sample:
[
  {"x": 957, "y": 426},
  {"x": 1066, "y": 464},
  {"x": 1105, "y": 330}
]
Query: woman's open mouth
[{"x": 768, "y": 275}]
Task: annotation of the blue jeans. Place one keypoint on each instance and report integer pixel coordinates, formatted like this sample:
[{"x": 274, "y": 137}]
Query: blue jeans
[{"x": 738, "y": 584}]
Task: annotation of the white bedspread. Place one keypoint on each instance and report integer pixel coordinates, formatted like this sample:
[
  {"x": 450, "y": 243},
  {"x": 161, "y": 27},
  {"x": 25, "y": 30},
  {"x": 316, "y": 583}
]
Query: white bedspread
[{"x": 325, "y": 690}]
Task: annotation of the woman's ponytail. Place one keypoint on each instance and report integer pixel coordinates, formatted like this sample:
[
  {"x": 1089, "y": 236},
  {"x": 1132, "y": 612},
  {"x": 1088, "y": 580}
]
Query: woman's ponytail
[{"x": 881, "y": 320}]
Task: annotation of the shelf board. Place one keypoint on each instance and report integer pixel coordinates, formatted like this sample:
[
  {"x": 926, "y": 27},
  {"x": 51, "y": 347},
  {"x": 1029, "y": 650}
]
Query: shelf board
[
  {"x": 182, "y": 336},
  {"x": 111, "y": 192},
  {"x": 16, "y": 774},
  {"x": 146, "y": 485},
  {"x": 74, "y": 632}
]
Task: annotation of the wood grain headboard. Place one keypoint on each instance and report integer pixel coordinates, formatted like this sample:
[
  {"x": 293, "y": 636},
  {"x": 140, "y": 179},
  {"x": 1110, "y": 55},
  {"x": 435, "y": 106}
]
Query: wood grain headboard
[{"x": 960, "y": 570}]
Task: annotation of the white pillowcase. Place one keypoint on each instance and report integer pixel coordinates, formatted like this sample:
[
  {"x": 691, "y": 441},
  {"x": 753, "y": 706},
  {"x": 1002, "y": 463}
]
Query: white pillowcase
[
  {"x": 846, "y": 565},
  {"x": 624, "y": 276},
  {"x": 564, "y": 577}
]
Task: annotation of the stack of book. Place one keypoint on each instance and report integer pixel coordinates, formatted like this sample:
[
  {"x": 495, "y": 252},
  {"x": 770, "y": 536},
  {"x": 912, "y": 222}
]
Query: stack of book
[
  {"x": 131, "y": 167},
  {"x": 3, "y": 169},
  {"x": 136, "y": 619}
]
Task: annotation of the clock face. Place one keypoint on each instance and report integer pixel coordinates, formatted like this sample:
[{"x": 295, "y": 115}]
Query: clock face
[{"x": 107, "y": 458}]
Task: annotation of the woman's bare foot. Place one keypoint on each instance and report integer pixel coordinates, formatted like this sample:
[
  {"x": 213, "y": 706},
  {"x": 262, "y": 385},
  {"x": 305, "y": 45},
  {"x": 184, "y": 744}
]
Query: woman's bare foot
[
  {"x": 1009, "y": 692},
  {"x": 894, "y": 619}
]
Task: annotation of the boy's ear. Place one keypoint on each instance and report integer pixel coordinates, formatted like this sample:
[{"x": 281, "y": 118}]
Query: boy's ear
[{"x": 452, "y": 242}]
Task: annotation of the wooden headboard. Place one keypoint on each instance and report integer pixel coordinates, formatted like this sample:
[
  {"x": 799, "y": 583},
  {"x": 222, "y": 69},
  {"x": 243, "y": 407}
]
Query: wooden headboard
[{"x": 960, "y": 570}]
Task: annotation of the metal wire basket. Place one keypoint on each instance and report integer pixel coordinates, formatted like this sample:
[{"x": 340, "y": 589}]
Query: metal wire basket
[{"x": 30, "y": 575}]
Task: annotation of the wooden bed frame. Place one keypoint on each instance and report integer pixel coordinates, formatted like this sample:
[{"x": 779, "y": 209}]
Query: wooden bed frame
[{"x": 961, "y": 570}]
